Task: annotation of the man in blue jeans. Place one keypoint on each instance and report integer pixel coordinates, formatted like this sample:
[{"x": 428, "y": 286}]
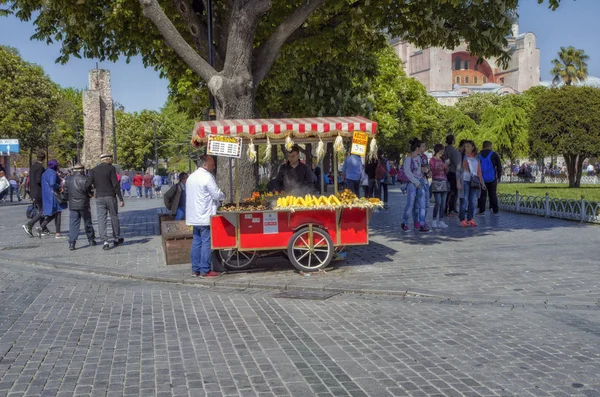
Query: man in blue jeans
[
  {"x": 202, "y": 197},
  {"x": 352, "y": 173},
  {"x": 175, "y": 198}
]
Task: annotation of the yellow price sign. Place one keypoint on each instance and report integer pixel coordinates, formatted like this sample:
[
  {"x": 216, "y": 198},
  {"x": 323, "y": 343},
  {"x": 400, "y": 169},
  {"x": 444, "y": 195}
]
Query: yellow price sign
[{"x": 359, "y": 143}]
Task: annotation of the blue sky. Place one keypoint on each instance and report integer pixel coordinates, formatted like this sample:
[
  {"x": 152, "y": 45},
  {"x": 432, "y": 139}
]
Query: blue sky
[{"x": 575, "y": 23}]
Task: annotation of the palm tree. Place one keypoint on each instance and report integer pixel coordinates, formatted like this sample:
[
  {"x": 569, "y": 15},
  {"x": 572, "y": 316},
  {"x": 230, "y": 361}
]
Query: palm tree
[{"x": 570, "y": 66}]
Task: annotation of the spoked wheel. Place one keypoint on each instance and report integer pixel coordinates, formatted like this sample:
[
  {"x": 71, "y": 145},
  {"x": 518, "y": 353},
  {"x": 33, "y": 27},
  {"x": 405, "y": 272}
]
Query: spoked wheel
[
  {"x": 233, "y": 259},
  {"x": 308, "y": 254}
]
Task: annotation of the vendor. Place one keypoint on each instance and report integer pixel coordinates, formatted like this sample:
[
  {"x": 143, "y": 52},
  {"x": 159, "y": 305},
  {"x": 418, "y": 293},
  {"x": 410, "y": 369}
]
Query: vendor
[{"x": 294, "y": 176}]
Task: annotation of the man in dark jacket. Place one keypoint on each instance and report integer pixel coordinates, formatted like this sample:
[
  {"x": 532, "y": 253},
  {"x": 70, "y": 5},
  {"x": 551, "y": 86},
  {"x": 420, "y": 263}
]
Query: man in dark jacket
[
  {"x": 78, "y": 194},
  {"x": 294, "y": 176},
  {"x": 35, "y": 191},
  {"x": 175, "y": 198},
  {"x": 104, "y": 179},
  {"x": 491, "y": 169}
]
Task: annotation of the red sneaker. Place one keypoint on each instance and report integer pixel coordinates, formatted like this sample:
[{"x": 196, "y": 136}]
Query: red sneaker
[
  {"x": 463, "y": 223},
  {"x": 471, "y": 223},
  {"x": 210, "y": 274}
]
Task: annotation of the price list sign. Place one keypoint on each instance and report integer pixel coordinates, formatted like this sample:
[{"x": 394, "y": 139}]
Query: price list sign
[
  {"x": 225, "y": 146},
  {"x": 359, "y": 143}
]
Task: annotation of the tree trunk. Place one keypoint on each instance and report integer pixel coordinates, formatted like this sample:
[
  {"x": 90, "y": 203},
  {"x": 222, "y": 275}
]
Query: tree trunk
[
  {"x": 308, "y": 154},
  {"x": 574, "y": 168},
  {"x": 274, "y": 162}
]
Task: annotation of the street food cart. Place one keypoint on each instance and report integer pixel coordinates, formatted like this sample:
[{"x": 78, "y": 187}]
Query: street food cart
[{"x": 309, "y": 230}]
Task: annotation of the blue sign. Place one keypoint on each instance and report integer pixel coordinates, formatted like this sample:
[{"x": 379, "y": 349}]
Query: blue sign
[{"x": 9, "y": 146}]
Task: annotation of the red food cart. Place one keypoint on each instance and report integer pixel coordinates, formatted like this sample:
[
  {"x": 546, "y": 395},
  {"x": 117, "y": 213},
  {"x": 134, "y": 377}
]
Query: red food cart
[{"x": 309, "y": 237}]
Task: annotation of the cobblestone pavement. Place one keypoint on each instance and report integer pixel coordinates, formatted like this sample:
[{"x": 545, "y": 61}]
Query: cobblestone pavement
[
  {"x": 509, "y": 259},
  {"x": 65, "y": 333}
]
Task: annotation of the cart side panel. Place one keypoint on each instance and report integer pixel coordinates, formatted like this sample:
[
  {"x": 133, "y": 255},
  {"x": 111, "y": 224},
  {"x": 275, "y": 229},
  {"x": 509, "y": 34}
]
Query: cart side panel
[
  {"x": 222, "y": 233},
  {"x": 353, "y": 226},
  {"x": 255, "y": 234},
  {"x": 321, "y": 218}
]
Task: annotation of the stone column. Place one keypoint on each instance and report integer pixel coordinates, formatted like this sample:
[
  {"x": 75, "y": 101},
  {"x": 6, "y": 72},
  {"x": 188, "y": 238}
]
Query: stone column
[{"x": 98, "y": 118}]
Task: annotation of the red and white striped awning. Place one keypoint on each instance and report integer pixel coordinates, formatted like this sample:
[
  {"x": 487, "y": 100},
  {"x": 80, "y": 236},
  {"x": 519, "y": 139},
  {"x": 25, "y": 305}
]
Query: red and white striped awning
[{"x": 281, "y": 128}]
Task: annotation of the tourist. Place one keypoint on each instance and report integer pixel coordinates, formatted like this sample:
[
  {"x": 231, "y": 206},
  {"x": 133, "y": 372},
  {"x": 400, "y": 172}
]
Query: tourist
[
  {"x": 175, "y": 198},
  {"x": 364, "y": 182},
  {"x": 104, "y": 180},
  {"x": 383, "y": 172},
  {"x": 491, "y": 170},
  {"x": 157, "y": 183},
  {"x": 4, "y": 185},
  {"x": 352, "y": 172},
  {"x": 125, "y": 184},
  {"x": 14, "y": 187},
  {"x": 471, "y": 184},
  {"x": 439, "y": 185},
  {"x": 35, "y": 192},
  {"x": 426, "y": 175},
  {"x": 52, "y": 207},
  {"x": 394, "y": 173},
  {"x": 415, "y": 187},
  {"x": 148, "y": 185},
  {"x": 78, "y": 193},
  {"x": 202, "y": 197},
  {"x": 590, "y": 170},
  {"x": 138, "y": 182},
  {"x": 371, "y": 171},
  {"x": 454, "y": 156},
  {"x": 25, "y": 185}
]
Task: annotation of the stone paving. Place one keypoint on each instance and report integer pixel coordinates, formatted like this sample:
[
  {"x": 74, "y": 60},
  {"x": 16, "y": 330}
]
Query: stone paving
[{"x": 508, "y": 309}]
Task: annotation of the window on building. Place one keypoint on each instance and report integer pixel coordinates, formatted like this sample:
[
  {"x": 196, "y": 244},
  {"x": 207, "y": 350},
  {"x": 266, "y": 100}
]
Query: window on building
[
  {"x": 501, "y": 80},
  {"x": 466, "y": 79},
  {"x": 466, "y": 65},
  {"x": 484, "y": 79},
  {"x": 457, "y": 63},
  {"x": 475, "y": 80},
  {"x": 476, "y": 67},
  {"x": 457, "y": 79}
]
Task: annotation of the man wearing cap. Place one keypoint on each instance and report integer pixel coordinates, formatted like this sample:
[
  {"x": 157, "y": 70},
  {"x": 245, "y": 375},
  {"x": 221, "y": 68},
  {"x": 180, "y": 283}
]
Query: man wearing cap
[
  {"x": 104, "y": 179},
  {"x": 78, "y": 194}
]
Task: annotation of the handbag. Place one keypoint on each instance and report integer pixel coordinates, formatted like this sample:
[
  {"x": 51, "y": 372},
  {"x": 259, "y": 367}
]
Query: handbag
[
  {"x": 438, "y": 186},
  {"x": 60, "y": 197},
  {"x": 32, "y": 211},
  {"x": 475, "y": 182}
]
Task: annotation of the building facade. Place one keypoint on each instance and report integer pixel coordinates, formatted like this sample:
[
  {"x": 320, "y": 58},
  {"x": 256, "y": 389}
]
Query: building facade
[
  {"x": 451, "y": 74},
  {"x": 98, "y": 118}
]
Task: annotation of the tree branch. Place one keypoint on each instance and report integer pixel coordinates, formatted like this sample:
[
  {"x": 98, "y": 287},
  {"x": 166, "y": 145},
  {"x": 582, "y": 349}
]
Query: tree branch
[
  {"x": 153, "y": 11},
  {"x": 266, "y": 54}
]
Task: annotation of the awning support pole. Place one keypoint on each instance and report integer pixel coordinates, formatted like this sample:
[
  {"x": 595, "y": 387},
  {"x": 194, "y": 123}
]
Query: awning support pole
[
  {"x": 322, "y": 177},
  {"x": 335, "y": 173},
  {"x": 237, "y": 185}
]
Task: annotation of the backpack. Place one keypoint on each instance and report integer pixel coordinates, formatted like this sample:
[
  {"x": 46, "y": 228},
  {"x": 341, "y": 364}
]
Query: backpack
[
  {"x": 401, "y": 175},
  {"x": 381, "y": 171},
  {"x": 487, "y": 168}
]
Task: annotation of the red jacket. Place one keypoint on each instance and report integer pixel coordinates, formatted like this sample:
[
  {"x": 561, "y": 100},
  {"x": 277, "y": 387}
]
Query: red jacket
[
  {"x": 147, "y": 180},
  {"x": 138, "y": 180}
]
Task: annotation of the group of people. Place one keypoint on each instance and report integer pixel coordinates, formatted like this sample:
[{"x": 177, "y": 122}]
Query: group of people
[
  {"x": 51, "y": 194},
  {"x": 145, "y": 185},
  {"x": 374, "y": 177},
  {"x": 462, "y": 176}
]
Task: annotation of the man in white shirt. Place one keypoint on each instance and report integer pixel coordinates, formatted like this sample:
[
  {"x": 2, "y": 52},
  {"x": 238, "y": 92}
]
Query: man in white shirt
[
  {"x": 202, "y": 197},
  {"x": 590, "y": 169}
]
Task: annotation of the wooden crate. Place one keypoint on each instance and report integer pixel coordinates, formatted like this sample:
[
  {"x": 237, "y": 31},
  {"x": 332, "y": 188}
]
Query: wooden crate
[
  {"x": 176, "y": 241},
  {"x": 164, "y": 216}
]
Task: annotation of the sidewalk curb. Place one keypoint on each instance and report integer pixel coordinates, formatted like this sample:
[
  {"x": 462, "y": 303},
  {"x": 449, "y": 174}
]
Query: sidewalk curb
[{"x": 234, "y": 284}]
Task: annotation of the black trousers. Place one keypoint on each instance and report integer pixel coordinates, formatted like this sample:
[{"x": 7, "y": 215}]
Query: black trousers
[
  {"x": 452, "y": 194},
  {"x": 491, "y": 188},
  {"x": 75, "y": 217},
  {"x": 39, "y": 217}
]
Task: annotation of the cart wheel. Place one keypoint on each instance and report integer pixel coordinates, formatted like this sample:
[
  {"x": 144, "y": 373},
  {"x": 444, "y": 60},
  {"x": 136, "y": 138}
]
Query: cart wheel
[
  {"x": 237, "y": 260},
  {"x": 308, "y": 259}
]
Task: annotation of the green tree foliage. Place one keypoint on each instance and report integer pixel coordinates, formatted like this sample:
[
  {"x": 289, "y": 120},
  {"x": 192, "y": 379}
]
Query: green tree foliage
[
  {"x": 28, "y": 99},
  {"x": 135, "y": 133},
  {"x": 506, "y": 125},
  {"x": 474, "y": 105},
  {"x": 570, "y": 66},
  {"x": 67, "y": 118},
  {"x": 566, "y": 121}
]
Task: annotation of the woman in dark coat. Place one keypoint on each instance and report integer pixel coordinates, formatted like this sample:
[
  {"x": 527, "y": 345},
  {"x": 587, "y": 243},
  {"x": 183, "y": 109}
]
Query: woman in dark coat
[{"x": 51, "y": 184}]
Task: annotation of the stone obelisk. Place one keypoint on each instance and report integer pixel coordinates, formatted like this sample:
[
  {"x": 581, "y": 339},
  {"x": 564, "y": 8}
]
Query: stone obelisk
[{"x": 98, "y": 118}]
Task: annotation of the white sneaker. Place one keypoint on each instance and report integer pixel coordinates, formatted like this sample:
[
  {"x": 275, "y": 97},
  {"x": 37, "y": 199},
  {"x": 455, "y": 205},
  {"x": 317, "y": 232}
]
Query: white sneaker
[
  {"x": 434, "y": 224},
  {"x": 442, "y": 225}
]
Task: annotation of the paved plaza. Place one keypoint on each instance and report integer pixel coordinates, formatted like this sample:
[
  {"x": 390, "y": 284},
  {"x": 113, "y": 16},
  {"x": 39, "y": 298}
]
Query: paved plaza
[{"x": 511, "y": 308}]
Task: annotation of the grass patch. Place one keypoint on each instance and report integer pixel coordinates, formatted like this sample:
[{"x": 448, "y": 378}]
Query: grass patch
[{"x": 559, "y": 191}]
